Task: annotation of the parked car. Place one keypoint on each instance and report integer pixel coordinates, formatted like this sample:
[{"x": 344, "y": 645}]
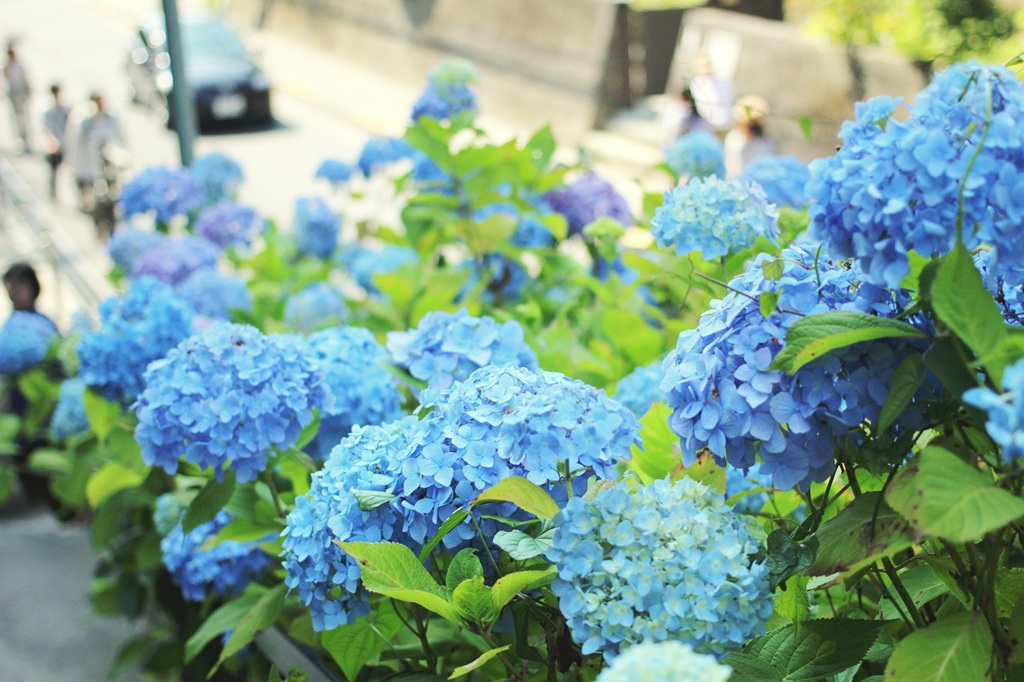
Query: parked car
[{"x": 225, "y": 81}]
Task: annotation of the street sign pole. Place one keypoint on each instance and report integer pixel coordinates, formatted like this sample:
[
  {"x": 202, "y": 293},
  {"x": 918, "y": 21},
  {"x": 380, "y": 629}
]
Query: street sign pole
[{"x": 181, "y": 97}]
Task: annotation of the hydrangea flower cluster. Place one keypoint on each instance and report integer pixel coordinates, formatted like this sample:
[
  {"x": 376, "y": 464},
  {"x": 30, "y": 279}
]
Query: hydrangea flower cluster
[
  {"x": 724, "y": 396},
  {"x": 227, "y": 396},
  {"x": 316, "y": 227},
  {"x": 443, "y": 102},
  {"x": 228, "y": 224},
  {"x": 334, "y": 171},
  {"x": 1007, "y": 290},
  {"x": 698, "y": 154},
  {"x": 224, "y": 569},
  {"x": 24, "y": 340},
  {"x": 135, "y": 329},
  {"x": 220, "y": 176},
  {"x": 669, "y": 561},
  {"x": 172, "y": 260},
  {"x": 168, "y": 512},
  {"x": 783, "y": 178},
  {"x": 315, "y": 307},
  {"x": 379, "y": 152},
  {"x": 69, "y": 418},
  {"x": 895, "y": 185},
  {"x": 213, "y": 294},
  {"x": 364, "y": 392},
  {"x": 363, "y": 263},
  {"x": 1005, "y": 411},
  {"x": 664, "y": 662},
  {"x": 166, "y": 193},
  {"x": 738, "y": 481},
  {"x": 128, "y": 243},
  {"x": 715, "y": 217},
  {"x": 586, "y": 200},
  {"x": 641, "y": 388},
  {"x": 448, "y": 347}
]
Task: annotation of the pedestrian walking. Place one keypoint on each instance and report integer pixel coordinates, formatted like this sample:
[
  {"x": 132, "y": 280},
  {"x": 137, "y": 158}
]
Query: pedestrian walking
[
  {"x": 88, "y": 140},
  {"x": 55, "y": 122},
  {"x": 18, "y": 92}
]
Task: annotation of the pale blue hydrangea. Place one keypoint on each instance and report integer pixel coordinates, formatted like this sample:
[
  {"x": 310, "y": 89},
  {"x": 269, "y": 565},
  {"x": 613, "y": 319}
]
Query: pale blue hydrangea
[
  {"x": 380, "y": 152},
  {"x": 227, "y": 397},
  {"x": 24, "y": 341},
  {"x": 1005, "y": 410},
  {"x": 586, "y": 200},
  {"x": 895, "y": 186},
  {"x": 163, "y": 193},
  {"x": 315, "y": 307},
  {"x": 213, "y": 294},
  {"x": 669, "y": 561},
  {"x": 172, "y": 260},
  {"x": 135, "y": 329},
  {"x": 664, "y": 662},
  {"x": 223, "y": 570},
  {"x": 454, "y": 71},
  {"x": 641, "y": 388},
  {"x": 220, "y": 176},
  {"x": 168, "y": 512},
  {"x": 316, "y": 227},
  {"x": 69, "y": 418},
  {"x": 714, "y": 217},
  {"x": 230, "y": 225},
  {"x": 448, "y": 347},
  {"x": 365, "y": 393},
  {"x": 698, "y": 154},
  {"x": 334, "y": 171},
  {"x": 783, "y": 178},
  {"x": 364, "y": 263},
  {"x": 128, "y": 243}
]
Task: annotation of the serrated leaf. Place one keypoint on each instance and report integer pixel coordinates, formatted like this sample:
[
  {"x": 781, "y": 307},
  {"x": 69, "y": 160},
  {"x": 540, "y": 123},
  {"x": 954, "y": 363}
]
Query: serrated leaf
[
  {"x": 521, "y": 546},
  {"x": 955, "y": 649},
  {"x": 960, "y": 299},
  {"x": 749, "y": 668},
  {"x": 465, "y": 566},
  {"x": 260, "y": 617},
  {"x": 786, "y": 557},
  {"x": 527, "y": 496},
  {"x": 210, "y": 500},
  {"x": 821, "y": 647},
  {"x": 508, "y": 586},
  {"x": 472, "y": 599},
  {"x": 224, "y": 619},
  {"x": 446, "y": 527},
  {"x": 943, "y": 496},
  {"x": 906, "y": 380},
  {"x": 658, "y": 456},
  {"x": 792, "y": 603},
  {"x": 481, "y": 660},
  {"x": 353, "y": 646},
  {"x": 371, "y": 499}
]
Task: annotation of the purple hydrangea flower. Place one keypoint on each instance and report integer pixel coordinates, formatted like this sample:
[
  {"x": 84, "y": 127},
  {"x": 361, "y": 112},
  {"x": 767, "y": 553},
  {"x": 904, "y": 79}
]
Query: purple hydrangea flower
[
  {"x": 165, "y": 193},
  {"x": 586, "y": 200},
  {"x": 316, "y": 227},
  {"x": 172, "y": 260},
  {"x": 128, "y": 243},
  {"x": 212, "y": 294},
  {"x": 220, "y": 176},
  {"x": 228, "y": 224}
]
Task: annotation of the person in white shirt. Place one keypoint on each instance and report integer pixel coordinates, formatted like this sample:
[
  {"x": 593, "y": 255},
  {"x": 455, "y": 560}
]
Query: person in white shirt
[
  {"x": 747, "y": 140},
  {"x": 86, "y": 139},
  {"x": 18, "y": 92},
  {"x": 55, "y": 122}
]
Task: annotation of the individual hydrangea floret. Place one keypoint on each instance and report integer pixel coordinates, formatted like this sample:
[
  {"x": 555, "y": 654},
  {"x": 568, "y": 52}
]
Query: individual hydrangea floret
[
  {"x": 24, "y": 341},
  {"x": 1005, "y": 410},
  {"x": 316, "y": 227},
  {"x": 783, "y": 178},
  {"x": 135, "y": 329},
  {"x": 172, "y": 260},
  {"x": 448, "y": 347},
  {"x": 226, "y": 397},
  {"x": 334, "y": 171},
  {"x": 213, "y": 294},
  {"x": 664, "y": 662},
  {"x": 315, "y": 307},
  {"x": 714, "y": 217},
  {"x": 698, "y": 154},
  {"x": 224, "y": 569},
  {"x": 365, "y": 393},
  {"x": 220, "y": 176},
  {"x": 586, "y": 200},
  {"x": 128, "y": 243},
  {"x": 165, "y": 193},
  {"x": 900, "y": 186},
  {"x": 228, "y": 224},
  {"x": 69, "y": 418},
  {"x": 641, "y": 388},
  {"x": 379, "y": 152},
  {"x": 669, "y": 561},
  {"x": 364, "y": 263}
]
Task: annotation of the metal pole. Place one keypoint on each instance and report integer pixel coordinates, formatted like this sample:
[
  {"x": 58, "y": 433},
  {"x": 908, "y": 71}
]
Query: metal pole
[{"x": 181, "y": 96}]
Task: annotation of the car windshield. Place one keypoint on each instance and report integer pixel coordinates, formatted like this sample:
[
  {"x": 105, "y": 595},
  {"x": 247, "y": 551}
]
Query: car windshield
[{"x": 211, "y": 38}]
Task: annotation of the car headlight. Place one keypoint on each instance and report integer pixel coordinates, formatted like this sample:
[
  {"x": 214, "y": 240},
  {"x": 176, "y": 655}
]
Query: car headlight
[{"x": 259, "y": 81}]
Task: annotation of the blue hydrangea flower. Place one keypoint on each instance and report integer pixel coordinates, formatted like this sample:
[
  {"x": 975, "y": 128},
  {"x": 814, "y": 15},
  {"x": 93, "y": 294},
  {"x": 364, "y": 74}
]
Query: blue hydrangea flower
[
  {"x": 334, "y": 171},
  {"x": 641, "y": 388},
  {"x": 364, "y": 392},
  {"x": 668, "y": 562},
  {"x": 444, "y": 102},
  {"x": 664, "y": 662},
  {"x": 24, "y": 340},
  {"x": 165, "y": 193},
  {"x": 454, "y": 72},
  {"x": 228, "y": 224},
  {"x": 448, "y": 347},
  {"x": 168, "y": 512},
  {"x": 225, "y": 569},
  {"x": 128, "y": 243},
  {"x": 715, "y": 217},
  {"x": 316, "y": 227},
  {"x": 1005, "y": 411},
  {"x": 1007, "y": 290},
  {"x": 724, "y": 396},
  {"x": 212, "y": 294},
  {"x": 364, "y": 263},
  {"x": 530, "y": 232},
  {"x": 586, "y": 200},
  {"x": 69, "y": 417},
  {"x": 135, "y": 329},
  {"x": 220, "y": 176},
  {"x": 172, "y": 260},
  {"x": 315, "y": 307},
  {"x": 226, "y": 397},
  {"x": 379, "y": 152},
  {"x": 783, "y": 178},
  {"x": 738, "y": 481},
  {"x": 895, "y": 186},
  {"x": 698, "y": 154}
]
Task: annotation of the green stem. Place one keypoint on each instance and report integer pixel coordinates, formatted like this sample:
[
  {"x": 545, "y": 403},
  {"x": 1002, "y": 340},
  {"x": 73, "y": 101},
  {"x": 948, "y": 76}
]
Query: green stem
[
  {"x": 881, "y": 587},
  {"x": 908, "y": 601},
  {"x": 970, "y": 164},
  {"x": 268, "y": 478},
  {"x": 483, "y": 541},
  {"x": 513, "y": 673}
]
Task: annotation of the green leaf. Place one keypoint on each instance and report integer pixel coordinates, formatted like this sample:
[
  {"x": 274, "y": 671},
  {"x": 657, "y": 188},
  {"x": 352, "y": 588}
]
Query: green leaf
[
  {"x": 658, "y": 457},
  {"x": 222, "y": 620},
  {"x": 955, "y": 649},
  {"x": 527, "y": 496},
  {"x": 768, "y": 301},
  {"x": 473, "y": 601},
  {"x": 906, "y": 380},
  {"x": 945, "y": 362},
  {"x": 786, "y": 557},
  {"x": 521, "y": 546},
  {"x": 309, "y": 431},
  {"x": 792, "y": 603},
  {"x": 101, "y": 413},
  {"x": 210, "y": 500},
  {"x": 446, "y": 527},
  {"x": 773, "y": 270},
  {"x": 749, "y": 668},
  {"x": 820, "y": 647},
  {"x": 481, "y": 660},
  {"x": 943, "y": 496},
  {"x": 704, "y": 469},
  {"x": 960, "y": 300},
  {"x": 508, "y": 586},
  {"x": 244, "y": 530},
  {"x": 1016, "y": 631},
  {"x": 465, "y": 566},
  {"x": 111, "y": 477},
  {"x": 260, "y": 617},
  {"x": 812, "y": 336},
  {"x": 371, "y": 499},
  {"x": 806, "y": 125},
  {"x": 353, "y": 646},
  {"x": 922, "y": 584}
]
